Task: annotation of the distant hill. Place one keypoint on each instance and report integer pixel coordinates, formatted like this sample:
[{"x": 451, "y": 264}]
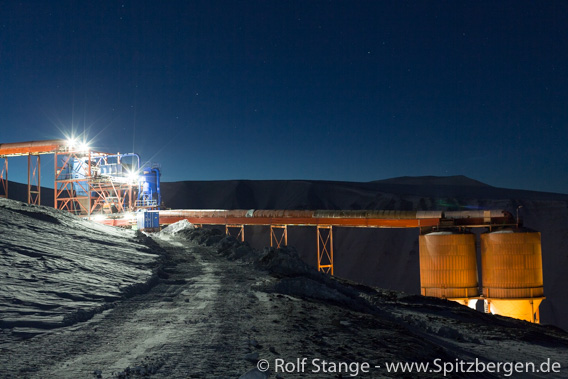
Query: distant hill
[
  {"x": 19, "y": 191},
  {"x": 456, "y": 180},
  {"x": 404, "y": 193}
]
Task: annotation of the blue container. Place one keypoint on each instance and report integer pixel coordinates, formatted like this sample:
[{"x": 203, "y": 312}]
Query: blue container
[{"x": 148, "y": 220}]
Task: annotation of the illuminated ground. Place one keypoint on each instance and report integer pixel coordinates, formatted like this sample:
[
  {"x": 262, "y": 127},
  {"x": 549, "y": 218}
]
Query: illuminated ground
[{"x": 217, "y": 307}]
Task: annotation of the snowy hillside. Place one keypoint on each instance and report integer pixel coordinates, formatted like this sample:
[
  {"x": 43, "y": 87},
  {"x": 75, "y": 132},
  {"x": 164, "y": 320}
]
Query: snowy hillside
[{"x": 56, "y": 269}]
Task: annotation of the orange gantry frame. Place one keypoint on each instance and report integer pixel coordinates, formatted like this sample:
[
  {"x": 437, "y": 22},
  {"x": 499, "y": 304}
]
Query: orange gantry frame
[
  {"x": 31, "y": 149},
  {"x": 80, "y": 190}
]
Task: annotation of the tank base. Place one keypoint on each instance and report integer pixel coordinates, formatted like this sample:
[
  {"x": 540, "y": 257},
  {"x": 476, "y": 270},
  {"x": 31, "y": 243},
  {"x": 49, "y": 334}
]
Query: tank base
[
  {"x": 524, "y": 309},
  {"x": 468, "y": 302}
]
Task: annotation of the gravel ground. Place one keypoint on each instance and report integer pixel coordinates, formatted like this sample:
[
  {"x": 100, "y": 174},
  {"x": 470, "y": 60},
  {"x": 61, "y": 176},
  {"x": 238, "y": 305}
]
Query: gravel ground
[{"x": 220, "y": 309}]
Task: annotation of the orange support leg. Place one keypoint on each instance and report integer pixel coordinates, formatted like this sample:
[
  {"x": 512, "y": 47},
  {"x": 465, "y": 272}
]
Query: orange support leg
[
  {"x": 241, "y": 233},
  {"x": 34, "y": 180},
  {"x": 325, "y": 249},
  {"x": 278, "y": 241},
  {"x": 4, "y": 180}
]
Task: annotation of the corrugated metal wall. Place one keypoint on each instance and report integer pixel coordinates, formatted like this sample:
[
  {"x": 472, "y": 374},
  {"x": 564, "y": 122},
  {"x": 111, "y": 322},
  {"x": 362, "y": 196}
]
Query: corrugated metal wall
[{"x": 448, "y": 265}]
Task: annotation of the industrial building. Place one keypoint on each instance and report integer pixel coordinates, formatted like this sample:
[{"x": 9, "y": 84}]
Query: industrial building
[{"x": 111, "y": 187}]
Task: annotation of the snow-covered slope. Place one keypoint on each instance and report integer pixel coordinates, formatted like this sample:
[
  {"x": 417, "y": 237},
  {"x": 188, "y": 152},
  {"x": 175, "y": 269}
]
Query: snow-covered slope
[{"x": 56, "y": 268}]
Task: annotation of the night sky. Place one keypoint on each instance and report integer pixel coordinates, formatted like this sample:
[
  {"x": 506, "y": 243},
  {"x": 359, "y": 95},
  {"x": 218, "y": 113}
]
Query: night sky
[{"x": 332, "y": 90}]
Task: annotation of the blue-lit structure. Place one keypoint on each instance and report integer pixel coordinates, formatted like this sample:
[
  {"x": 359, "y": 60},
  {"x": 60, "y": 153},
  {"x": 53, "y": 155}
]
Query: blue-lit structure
[
  {"x": 78, "y": 170},
  {"x": 90, "y": 182},
  {"x": 149, "y": 195}
]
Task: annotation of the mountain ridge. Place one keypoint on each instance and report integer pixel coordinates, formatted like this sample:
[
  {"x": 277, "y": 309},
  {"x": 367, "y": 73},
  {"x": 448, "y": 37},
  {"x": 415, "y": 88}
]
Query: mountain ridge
[{"x": 452, "y": 180}]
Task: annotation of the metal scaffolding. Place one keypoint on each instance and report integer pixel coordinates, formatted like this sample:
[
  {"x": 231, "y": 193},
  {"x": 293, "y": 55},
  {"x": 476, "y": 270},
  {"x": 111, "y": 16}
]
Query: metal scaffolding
[
  {"x": 278, "y": 236},
  {"x": 240, "y": 233},
  {"x": 34, "y": 180},
  {"x": 81, "y": 188},
  {"x": 79, "y": 185},
  {"x": 325, "y": 249},
  {"x": 4, "y": 179}
]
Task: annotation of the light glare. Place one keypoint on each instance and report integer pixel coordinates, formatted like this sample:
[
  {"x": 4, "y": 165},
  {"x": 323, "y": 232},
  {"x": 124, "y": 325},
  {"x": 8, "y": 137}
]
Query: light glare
[
  {"x": 83, "y": 146},
  {"x": 132, "y": 176}
]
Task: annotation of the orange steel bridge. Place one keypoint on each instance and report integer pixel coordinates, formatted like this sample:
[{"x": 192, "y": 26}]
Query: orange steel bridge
[
  {"x": 325, "y": 220},
  {"x": 235, "y": 221},
  {"x": 98, "y": 192}
]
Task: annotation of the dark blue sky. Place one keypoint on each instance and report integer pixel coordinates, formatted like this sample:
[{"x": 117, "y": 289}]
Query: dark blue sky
[{"x": 338, "y": 90}]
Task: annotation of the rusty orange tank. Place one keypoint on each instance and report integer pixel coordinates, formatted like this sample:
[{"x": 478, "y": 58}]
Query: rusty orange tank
[
  {"x": 511, "y": 261},
  {"x": 448, "y": 266}
]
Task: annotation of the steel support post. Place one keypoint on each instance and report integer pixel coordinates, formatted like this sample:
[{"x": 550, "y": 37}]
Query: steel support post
[
  {"x": 55, "y": 176},
  {"x": 240, "y": 235},
  {"x": 276, "y": 240},
  {"x": 34, "y": 180},
  {"x": 4, "y": 179},
  {"x": 89, "y": 184},
  {"x": 325, "y": 249}
]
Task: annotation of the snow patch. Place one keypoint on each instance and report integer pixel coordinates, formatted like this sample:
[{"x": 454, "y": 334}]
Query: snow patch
[{"x": 176, "y": 228}]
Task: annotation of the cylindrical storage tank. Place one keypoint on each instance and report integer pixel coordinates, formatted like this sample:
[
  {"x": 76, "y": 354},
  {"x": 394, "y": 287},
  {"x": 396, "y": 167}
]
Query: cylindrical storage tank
[
  {"x": 511, "y": 262},
  {"x": 448, "y": 265},
  {"x": 150, "y": 183}
]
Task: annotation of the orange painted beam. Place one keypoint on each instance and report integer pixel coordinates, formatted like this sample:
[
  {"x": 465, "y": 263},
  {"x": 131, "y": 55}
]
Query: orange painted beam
[
  {"x": 115, "y": 222},
  {"x": 347, "y": 218},
  {"x": 300, "y": 221},
  {"x": 32, "y": 147}
]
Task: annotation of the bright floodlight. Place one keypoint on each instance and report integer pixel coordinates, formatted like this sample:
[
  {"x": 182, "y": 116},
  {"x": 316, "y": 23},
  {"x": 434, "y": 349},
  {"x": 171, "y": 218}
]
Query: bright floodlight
[
  {"x": 132, "y": 176},
  {"x": 83, "y": 146},
  {"x": 76, "y": 144},
  {"x": 71, "y": 142}
]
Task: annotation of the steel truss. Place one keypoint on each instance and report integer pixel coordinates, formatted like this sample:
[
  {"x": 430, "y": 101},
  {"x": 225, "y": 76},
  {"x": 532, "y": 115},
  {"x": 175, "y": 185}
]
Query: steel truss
[
  {"x": 82, "y": 189},
  {"x": 34, "y": 180},
  {"x": 282, "y": 239},
  {"x": 240, "y": 234},
  {"x": 4, "y": 179},
  {"x": 325, "y": 249}
]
